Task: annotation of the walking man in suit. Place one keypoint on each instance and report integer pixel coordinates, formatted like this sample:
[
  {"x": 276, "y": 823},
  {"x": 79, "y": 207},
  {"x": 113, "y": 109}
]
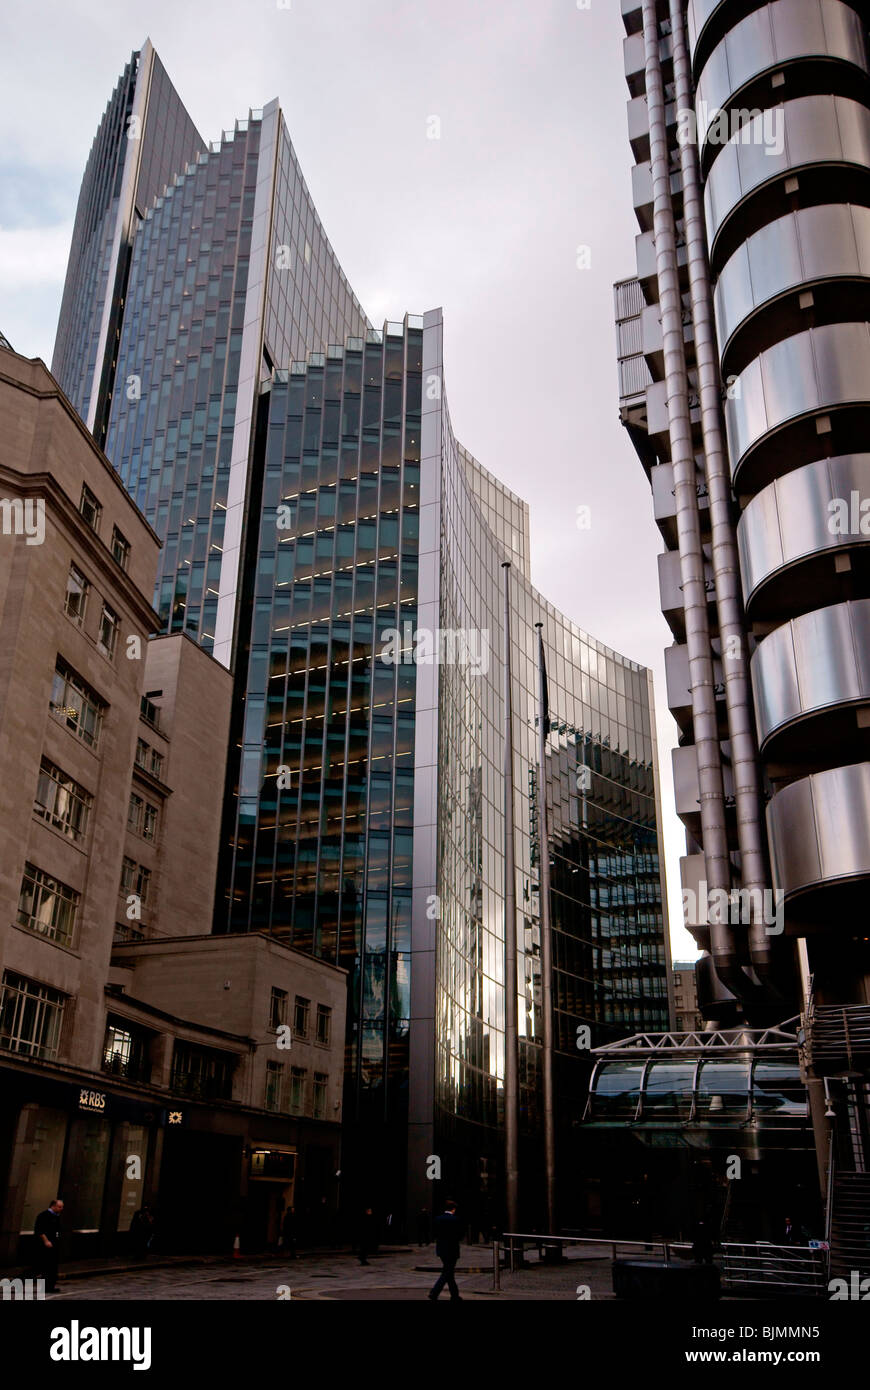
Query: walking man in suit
[
  {"x": 46, "y": 1231},
  {"x": 448, "y": 1231}
]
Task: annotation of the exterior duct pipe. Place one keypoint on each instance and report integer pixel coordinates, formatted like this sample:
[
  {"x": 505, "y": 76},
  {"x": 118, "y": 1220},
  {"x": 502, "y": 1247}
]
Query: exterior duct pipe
[
  {"x": 738, "y": 700},
  {"x": 711, "y": 790}
]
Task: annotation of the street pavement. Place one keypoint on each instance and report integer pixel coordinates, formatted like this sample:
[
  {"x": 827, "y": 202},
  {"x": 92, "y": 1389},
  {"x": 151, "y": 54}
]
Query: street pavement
[{"x": 399, "y": 1274}]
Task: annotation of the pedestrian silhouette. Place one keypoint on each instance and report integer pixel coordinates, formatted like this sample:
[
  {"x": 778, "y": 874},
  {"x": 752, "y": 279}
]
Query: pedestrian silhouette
[{"x": 448, "y": 1232}]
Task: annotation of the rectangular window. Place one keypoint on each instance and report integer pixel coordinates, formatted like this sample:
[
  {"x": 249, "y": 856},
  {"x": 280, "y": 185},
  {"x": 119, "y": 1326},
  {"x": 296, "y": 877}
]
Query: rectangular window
[
  {"x": 297, "y": 1090},
  {"x": 198, "y": 1072},
  {"x": 47, "y": 906},
  {"x": 76, "y": 704},
  {"x": 120, "y": 548},
  {"x": 157, "y": 764},
  {"x": 135, "y": 879},
  {"x": 300, "y": 1017},
  {"x": 150, "y": 713},
  {"x": 61, "y": 801},
  {"x": 142, "y": 817},
  {"x": 142, "y": 751},
  {"x": 110, "y": 626},
  {"x": 324, "y": 1019},
  {"x": 320, "y": 1081},
  {"x": 277, "y": 1009},
  {"x": 274, "y": 1076},
  {"x": 125, "y": 1052},
  {"x": 90, "y": 509},
  {"x": 76, "y": 602},
  {"x": 30, "y": 1016}
]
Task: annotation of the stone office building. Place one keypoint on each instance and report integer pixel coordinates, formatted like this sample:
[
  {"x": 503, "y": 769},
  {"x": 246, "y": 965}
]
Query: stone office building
[{"x": 138, "y": 1064}]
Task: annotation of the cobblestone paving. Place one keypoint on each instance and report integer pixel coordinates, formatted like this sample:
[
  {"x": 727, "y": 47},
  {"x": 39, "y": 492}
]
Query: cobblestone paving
[{"x": 405, "y": 1275}]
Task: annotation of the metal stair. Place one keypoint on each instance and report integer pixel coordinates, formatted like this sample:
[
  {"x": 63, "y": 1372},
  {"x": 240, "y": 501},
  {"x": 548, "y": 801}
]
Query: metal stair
[{"x": 850, "y": 1225}]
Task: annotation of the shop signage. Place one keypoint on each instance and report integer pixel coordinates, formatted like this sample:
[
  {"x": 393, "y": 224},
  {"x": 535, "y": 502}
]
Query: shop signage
[
  {"x": 93, "y": 1101},
  {"x": 272, "y": 1163}
]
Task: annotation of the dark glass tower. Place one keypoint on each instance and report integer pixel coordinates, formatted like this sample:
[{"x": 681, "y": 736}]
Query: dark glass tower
[
  {"x": 144, "y": 138},
  {"x": 327, "y": 538}
]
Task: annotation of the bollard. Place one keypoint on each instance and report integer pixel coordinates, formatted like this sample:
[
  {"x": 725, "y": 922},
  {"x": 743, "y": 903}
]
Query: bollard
[{"x": 496, "y": 1267}]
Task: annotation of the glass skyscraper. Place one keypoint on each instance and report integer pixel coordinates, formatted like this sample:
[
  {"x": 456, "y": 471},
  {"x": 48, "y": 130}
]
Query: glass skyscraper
[{"x": 327, "y": 538}]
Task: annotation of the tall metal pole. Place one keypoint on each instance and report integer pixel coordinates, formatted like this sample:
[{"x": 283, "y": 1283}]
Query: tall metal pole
[
  {"x": 511, "y": 1061},
  {"x": 546, "y": 942}
]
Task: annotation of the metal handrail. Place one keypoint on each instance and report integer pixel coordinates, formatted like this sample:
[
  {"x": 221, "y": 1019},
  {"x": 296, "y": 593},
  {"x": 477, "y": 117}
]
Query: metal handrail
[{"x": 783, "y": 1267}]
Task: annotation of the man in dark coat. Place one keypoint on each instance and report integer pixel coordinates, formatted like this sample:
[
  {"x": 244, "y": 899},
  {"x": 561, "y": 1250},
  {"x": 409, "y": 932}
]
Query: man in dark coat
[
  {"x": 46, "y": 1232},
  {"x": 368, "y": 1235},
  {"x": 288, "y": 1233},
  {"x": 448, "y": 1232}
]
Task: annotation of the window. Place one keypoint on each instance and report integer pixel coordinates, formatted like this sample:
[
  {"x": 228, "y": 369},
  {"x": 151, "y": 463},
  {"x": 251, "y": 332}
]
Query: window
[
  {"x": 297, "y": 1090},
  {"x": 150, "y": 713},
  {"x": 73, "y": 701},
  {"x": 61, "y": 801},
  {"x": 320, "y": 1080},
  {"x": 135, "y": 879},
  {"x": 148, "y": 758},
  {"x": 277, "y": 1009},
  {"x": 198, "y": 1072},
  {"x": 30, "y": 1016},
  {"x": 274, "y": 1076},
  {"x": 300, "y": 1020},
  {"x": 110, "y": 626},
  {"x": 47, "y": 906},
  {"x": 90, "y": 509},
  {"x": 120, "y": 548},
  {"x": 324, "y": 1018},
  {"x": 125, "y": 1052},
  {"x": 142, "y": 817},
  {"x": 77, "y": 588}
]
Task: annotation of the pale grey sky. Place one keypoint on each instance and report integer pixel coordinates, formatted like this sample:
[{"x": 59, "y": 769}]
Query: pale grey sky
[{"x": 532, "y": 163}]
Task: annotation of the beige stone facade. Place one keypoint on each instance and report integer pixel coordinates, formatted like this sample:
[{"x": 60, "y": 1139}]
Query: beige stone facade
[{"x": 142, "y": 1059}]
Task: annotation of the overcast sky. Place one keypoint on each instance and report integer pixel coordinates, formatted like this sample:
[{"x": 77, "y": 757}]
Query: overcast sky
[{"x": 486, "y": 221}]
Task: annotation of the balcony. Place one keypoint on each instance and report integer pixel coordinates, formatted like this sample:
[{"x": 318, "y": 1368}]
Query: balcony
[
  {"x": 814, "y": 384},
  {"x": 819, "y": 834},
  {"x": 811, "y": 688},
  {"x": 808, "y": 268},
  {"x": 780, "y": 39},
  {"x": 838, "y": 1039},
  {"x": 818, "y": 144}
]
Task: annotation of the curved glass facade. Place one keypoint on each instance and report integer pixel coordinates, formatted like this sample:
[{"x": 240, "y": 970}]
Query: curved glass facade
[
  {"x": 180, "y": 428},
  {"x": 718, "y": 1091},
  {"x": 131, "y": 161},
  {"x": 326, "y": 537}
]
